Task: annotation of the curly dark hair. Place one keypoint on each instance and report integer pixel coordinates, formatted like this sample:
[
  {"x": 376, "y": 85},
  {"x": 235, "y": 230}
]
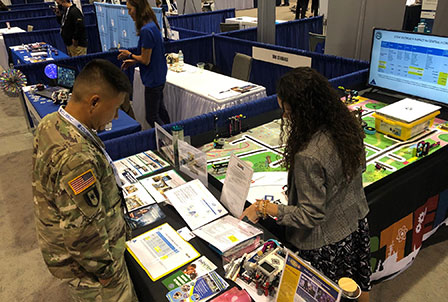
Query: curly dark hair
[{"x": 315, "y": 105}]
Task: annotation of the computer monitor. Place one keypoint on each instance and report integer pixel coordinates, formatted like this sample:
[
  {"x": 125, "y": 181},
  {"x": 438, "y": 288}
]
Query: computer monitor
[
  {"x": 66, "y": 76},
  {"x": 414, "y": 64}
]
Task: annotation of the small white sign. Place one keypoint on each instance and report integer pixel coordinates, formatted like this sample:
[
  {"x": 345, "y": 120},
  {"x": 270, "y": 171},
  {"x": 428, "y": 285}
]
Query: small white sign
[
  {"x": 428, "y": 15},
  {"x": 280, "y": 58},
  {"x": 429, "y": 4}
]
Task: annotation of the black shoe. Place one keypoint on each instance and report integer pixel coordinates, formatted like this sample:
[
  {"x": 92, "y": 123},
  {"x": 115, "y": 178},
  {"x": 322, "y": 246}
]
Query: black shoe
[{"x": 284, "y": 4}]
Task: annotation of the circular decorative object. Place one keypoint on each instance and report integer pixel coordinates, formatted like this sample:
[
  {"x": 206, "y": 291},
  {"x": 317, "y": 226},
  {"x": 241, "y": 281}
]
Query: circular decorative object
[
  {"x": 369, "y": 130},
  {"x": 51, "y": 71},
  {"x": 11, "y": 81}
]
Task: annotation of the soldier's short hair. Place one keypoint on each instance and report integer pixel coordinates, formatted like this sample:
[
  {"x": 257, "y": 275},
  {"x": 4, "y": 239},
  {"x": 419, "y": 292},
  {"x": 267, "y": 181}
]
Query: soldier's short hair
[{"x": 100, "y": 70}]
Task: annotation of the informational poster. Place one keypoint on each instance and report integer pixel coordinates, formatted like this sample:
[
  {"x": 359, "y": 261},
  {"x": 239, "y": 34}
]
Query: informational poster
[
  {"x": 302, "y": 283},
  {"x": 195, "y": 204},
  {"x": 236, "y": 185},
  {"x": 136, "y": 196},
  {"x": 161, "y": 251},
  {"x": 144, "y": 216}
]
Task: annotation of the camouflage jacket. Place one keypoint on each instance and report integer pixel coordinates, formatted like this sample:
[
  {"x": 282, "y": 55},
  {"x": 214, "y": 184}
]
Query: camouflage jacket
[{"x": 78, "y": 208}]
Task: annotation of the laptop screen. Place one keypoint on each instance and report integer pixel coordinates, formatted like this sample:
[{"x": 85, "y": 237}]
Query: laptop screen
[{"x": 66, "y": 77}]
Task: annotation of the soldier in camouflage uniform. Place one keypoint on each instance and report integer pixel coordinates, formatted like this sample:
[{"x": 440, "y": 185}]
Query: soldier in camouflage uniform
[{"x": 78, "y": 205}]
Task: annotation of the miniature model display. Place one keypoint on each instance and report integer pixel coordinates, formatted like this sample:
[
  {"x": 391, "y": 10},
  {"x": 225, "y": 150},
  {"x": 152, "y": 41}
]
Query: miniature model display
[{"x": 260, "y": 147}]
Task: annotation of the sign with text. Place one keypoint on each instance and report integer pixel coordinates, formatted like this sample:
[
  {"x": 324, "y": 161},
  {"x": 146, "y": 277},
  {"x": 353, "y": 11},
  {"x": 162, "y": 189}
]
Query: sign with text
[{"x": 280, "y": 58}]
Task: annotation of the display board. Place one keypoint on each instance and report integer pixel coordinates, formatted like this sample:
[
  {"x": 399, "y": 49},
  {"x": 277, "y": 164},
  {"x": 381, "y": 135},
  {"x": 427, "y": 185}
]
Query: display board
[{"x": 116, "y": 28}]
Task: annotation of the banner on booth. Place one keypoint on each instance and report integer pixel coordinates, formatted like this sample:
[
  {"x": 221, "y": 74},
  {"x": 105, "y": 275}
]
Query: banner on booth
[{"x": 280, "y": 58}]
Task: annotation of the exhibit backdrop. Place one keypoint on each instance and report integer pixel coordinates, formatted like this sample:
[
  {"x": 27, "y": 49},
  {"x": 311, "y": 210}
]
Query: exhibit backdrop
[{"x": 116, "y": 28}]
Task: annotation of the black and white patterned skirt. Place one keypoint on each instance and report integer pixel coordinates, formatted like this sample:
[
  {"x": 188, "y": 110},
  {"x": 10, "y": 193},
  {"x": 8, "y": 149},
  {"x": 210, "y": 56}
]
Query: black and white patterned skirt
[{"x": 349, "y": 257}]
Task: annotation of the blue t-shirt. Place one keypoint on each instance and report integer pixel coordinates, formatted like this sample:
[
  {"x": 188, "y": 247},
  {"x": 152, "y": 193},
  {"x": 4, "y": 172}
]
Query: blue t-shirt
[{"x": 154, "y": 74}]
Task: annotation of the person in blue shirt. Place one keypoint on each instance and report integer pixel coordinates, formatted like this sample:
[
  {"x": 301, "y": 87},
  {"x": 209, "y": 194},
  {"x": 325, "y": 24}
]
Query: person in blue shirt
[{"x": 150, "y": 57}]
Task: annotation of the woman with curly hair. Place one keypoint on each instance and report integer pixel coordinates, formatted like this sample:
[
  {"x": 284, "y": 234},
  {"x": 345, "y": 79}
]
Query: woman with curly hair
[{"x": 324, "y": 154}]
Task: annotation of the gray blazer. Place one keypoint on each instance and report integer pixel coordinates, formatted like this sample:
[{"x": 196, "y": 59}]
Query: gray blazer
[{"x": 323, "y": 208}]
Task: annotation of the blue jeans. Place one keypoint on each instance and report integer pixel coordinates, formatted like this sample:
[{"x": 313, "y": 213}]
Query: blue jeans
[{"x": 155, "y": 108}]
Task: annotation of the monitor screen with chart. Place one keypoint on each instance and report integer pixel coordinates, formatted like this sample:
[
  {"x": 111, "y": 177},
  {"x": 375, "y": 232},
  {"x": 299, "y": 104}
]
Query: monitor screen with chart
[{"x": 415, "y": 64}]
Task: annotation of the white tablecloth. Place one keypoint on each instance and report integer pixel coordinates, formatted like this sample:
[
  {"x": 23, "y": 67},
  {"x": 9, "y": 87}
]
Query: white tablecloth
[
  {"x": 189, "y": 93},
  {"x": 3, "y": 50},
  {"x": 237, "y": 4},
  {"x": 247, "y": 22}
]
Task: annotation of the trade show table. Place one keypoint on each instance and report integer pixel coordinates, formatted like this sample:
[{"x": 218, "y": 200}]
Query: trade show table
[
  {"x": 39, "y": 106},
  {"x": 4, "y": 62},
  {"x": 21, "y": 54},
  {"x": 196, "y": 91}
]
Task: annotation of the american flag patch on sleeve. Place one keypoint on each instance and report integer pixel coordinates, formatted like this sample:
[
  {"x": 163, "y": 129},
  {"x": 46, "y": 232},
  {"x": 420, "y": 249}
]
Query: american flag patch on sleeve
[{"x": 82, "y": 182}]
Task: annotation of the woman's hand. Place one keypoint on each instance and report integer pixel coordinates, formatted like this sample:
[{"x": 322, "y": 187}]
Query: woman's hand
[
  {"x": 124, "y": 54},
  {"x": 127, "y": 63},
  {"x": 251, "y": 213}
]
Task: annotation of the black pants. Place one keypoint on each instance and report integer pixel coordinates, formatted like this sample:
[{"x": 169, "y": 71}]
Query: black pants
[
  {"x": 301, "y": 7},
  {"x": 315, "y": 7},
  {"x": 155, "y": 108},
  {"x": 411, "y": 17}
]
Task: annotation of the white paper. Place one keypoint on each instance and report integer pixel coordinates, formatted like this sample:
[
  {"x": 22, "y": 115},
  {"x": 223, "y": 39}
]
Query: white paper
[
  {"x": 225, "y": 94},
  {"x": 186, "y": 234},
  {"x": 136, "y": 196},
  {"x": 236, "y": 185},
  {"x": 193, "y": 162},
  {"x": 227, "y": 232},
  {"x": 159, "y": 184},
  {"x": 164, "y": 142},
  {"x": 161, "y": 250},
  {"x": 195, "y": 204}
]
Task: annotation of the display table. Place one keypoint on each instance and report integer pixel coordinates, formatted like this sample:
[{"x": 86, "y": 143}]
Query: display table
[
  {"x": 237, "y": 4},
  {"x": 21, "y": 55},
  {"x": 248, "y": 22},
  {"x": 38, "y": 107},
  {"x": 4, "y": 62},
  {"x": 191, "y": 93}
]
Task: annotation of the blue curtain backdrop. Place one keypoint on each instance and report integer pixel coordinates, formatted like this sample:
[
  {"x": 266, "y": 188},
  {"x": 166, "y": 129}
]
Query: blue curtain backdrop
[
  {"x": 27, "y": 13},
  {"x": 206, "y": 22},
  {"x": 197, "y": 49},
  {"x": 292, "y": 34},
  {"x": 187, "y": 33},
  {"x": 115, "y": 26},
  {"x": 50, "y": 36}
]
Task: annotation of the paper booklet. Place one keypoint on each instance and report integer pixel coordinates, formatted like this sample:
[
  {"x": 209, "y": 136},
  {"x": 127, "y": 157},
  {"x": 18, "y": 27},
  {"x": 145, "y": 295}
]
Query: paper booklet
[
  {"x": 145, "y": 216},
  {"x": 136, "y": 196},
  {"x": 227, "y": 232},
  {"x": 161, "y": 251},
  {"x": 195, "y": 204},
  {"x": 189, "y": 273},
  {"x": 201, "y": 289},
  {"x": 159, "y": 184},
  {"x": 136, "y": 166}
]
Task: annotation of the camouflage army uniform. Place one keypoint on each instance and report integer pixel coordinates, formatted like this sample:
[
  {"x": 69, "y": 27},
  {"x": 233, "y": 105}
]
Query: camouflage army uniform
[{"x": 79, "y": 214}]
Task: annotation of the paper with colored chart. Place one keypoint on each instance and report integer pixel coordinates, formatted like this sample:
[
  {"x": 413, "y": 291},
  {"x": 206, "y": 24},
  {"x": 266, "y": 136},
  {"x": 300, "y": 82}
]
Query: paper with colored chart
[{"x": 161, "y": 251}]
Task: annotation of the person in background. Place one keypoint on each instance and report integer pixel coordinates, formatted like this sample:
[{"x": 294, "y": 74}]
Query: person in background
[
  {"x": 73, "y": 31},
  {"x": 301, "y": 8},
  {"x": 412, "y": 14},
  {"x": 150, "y": 58},
  {"x": 315, "y": 7},
  {"x": 78, "y": 203},
  {"x": 325, "y": 218},
  {"x": 3, "y": 7}
]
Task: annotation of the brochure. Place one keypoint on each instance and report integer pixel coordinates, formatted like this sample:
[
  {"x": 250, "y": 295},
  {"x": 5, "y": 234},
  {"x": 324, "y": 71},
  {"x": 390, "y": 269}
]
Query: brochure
[
  {"x": 195, "y": 204},
  {"x": 200, "y": 289},
  {"x": 145, "y": 216},
  {"x": 189, "y": 273},
  {"x": 159, "y": 184},
  {"x": 236, "y": 185},
  {"x": 227, "y": 232},
  {"x": 300, "y": 282},
  {"x": 136, "y": 196},
  {"x": 161, "y": 251},
  {"x": 139, "y": 165}
]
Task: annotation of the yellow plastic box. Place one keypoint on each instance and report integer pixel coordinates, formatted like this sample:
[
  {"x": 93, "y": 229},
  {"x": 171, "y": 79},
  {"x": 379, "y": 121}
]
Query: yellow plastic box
[{"x": 402, "y": 130}]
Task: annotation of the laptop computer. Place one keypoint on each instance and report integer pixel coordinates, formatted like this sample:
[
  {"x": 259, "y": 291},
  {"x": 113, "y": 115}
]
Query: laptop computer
[{"x": 64, "y": 81}]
